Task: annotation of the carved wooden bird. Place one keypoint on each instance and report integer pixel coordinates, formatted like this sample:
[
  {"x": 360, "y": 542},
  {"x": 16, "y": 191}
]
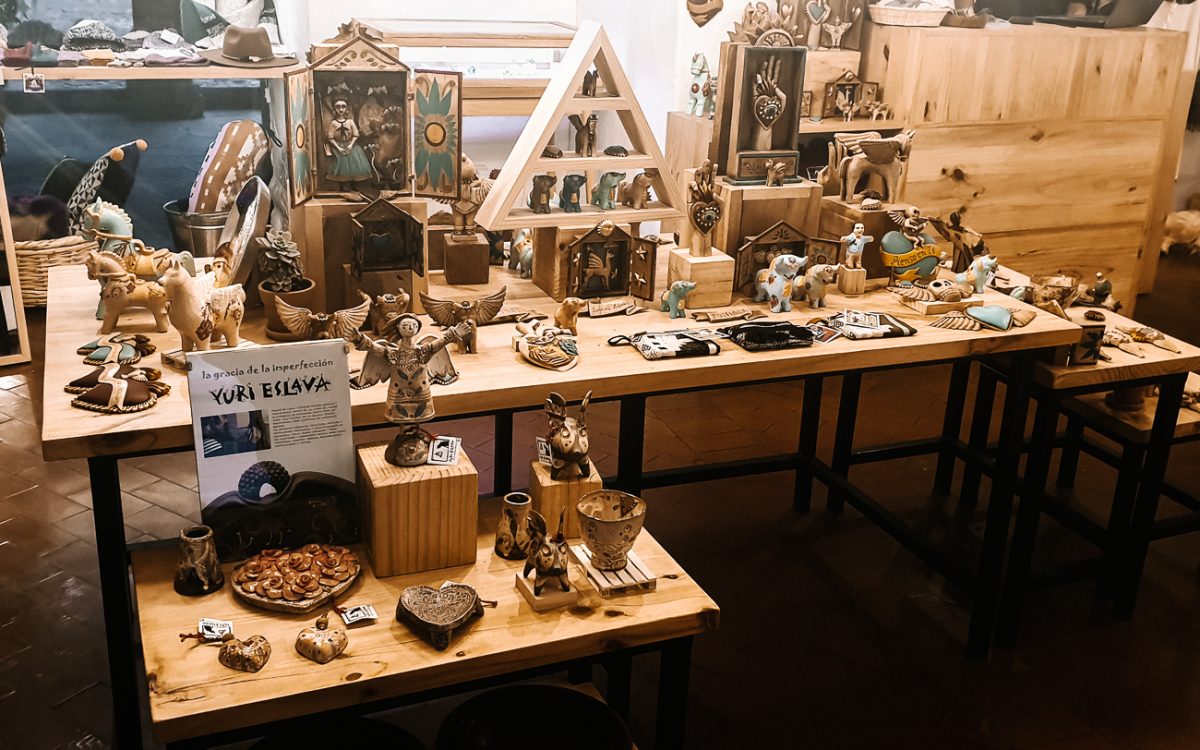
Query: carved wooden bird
[
  {"x": 475, "y": 312},
  {"x": 311, "y": 326}
]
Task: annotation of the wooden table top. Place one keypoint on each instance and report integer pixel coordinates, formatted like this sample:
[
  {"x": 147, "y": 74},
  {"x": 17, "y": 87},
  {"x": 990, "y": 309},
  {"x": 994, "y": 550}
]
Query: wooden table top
[
  {"x": 192, "y": 694},
  {"x": 1124, "y": 366},
  {"x": 497, "y": 378}
]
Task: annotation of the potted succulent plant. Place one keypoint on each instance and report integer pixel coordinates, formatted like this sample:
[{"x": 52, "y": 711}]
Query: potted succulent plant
[{"x": 283, "y": 276}]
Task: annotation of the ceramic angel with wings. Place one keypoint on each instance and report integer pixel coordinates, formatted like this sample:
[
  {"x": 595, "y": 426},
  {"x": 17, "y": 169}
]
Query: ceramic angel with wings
[
  {"x": 410, "y": 366},
  {"x": 473, "y": 193},
  {"x": 911, "y": 223},
  {"x": 472, "y": 313},
  {"x": 310, "y": 326}
]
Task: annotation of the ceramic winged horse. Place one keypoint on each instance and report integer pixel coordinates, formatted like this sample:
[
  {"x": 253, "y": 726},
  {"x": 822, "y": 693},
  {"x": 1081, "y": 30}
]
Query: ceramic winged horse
[
  {"x": 121, "y": 289},
  {"x": 201, "y": 311}
]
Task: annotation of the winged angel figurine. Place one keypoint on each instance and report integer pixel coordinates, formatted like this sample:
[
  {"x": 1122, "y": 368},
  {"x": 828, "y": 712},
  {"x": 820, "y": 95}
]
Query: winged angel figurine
[
  {"x": 474, "y": 191},
  {"x": 410, "y": 366},
  {"x": 472, "y": 312},
  {"x": 311, "y": 326}
]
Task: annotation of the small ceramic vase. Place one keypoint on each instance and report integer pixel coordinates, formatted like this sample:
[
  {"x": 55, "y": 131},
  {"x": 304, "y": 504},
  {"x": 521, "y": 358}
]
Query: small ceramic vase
[
  {"x": 512, "y": 536},
  {"x": 610, "y": 521},
  {"x": 199, "y": 571},
  {"x": 320, "y": 643}
]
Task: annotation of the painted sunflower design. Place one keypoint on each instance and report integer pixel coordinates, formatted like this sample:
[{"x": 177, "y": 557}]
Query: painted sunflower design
[
  {"x": 300, "y": 146},
  {"x": 436, "y": 156}
]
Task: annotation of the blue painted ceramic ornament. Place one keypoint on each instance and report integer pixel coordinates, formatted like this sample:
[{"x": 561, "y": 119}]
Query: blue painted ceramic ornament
[
  {"x": 992, "y": 316},
  {"x": 908, "y": 262}
]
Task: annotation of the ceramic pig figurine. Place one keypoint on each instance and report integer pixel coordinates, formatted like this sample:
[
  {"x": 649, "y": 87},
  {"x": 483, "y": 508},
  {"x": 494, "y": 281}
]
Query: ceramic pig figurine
[
  {"x": 816, "y": 283},
  {"x": 568, "y": 438},
  {"x": 775, "y": 282}
]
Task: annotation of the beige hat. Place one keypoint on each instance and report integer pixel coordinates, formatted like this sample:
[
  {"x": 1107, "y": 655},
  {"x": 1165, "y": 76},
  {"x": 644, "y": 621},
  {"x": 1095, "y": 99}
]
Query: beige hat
[{"x": 247, "y": 48}]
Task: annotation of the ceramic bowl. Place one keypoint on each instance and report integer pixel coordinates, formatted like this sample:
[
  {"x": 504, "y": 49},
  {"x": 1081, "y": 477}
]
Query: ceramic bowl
[{"x": 609, "y": 521}]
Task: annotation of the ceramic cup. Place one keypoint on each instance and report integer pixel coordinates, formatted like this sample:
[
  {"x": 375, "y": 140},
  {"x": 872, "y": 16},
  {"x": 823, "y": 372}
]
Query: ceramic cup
[
  {"x": 199, "y": 572},
  {"x": 609, "y": 521},
  {"x": 512, "y": 535}
]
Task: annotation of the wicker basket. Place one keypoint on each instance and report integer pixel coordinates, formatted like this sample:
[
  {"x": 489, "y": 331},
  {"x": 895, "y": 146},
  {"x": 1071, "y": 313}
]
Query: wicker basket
[
  {"x": 34, "y": 259},
  {"x": 885, "y": 15}
]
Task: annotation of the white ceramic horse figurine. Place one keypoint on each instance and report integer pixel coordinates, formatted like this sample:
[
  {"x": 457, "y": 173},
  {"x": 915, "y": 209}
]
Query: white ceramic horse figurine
[
  {"x": 201, "y": 311},
  {"x": 703, "y": 91},
  {"x": 120, "y": 289}
]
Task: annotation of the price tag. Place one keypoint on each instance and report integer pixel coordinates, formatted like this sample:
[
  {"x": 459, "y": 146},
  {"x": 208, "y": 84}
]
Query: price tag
[
  {"x": 214, "y": 630},
  {"x": 443, "y": 451},
  {"x": 33, "y": 83},
  {"x": 358, "y": 614},
  {"x": 543, "y": 451}
]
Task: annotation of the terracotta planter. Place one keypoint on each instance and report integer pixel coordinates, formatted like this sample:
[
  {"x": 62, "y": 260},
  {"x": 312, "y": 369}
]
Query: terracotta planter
[{"x": 300, "y": 298}]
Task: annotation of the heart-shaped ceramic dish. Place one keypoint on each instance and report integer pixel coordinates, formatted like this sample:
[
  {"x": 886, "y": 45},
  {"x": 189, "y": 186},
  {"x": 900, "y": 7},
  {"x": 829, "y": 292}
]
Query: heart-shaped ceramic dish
[
  {"x": 296, "y": 581},
  {"x": 437, "y": 613}
]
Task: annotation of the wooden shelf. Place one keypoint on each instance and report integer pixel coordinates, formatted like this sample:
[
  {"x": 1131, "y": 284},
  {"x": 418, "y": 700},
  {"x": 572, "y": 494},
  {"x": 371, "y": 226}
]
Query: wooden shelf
[
  {"x": 152, "y": 73},
  {"x": 590, "y": 216},
  {"x": 601, "y": 103},
  {"x": 838, "y": 125},
  {"x": 597, "y": 163},
  {"x": 422, "y": 32}
]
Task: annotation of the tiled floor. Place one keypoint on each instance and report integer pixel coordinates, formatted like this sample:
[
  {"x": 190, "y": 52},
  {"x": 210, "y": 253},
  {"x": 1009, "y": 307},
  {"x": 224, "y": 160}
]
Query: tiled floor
[{"x": 831, "y": 635}]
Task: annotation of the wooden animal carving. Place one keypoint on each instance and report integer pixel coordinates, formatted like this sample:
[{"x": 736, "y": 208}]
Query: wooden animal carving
[
  {"x": 568, "y": 438},
  {"x": 776, "y": 170},
  {"x": 473, "y": 312},
  {"x": 311, "y": 326},
  {"x": 635, "y": 193},
  {"x": 884, "y": 157},
  {"x": 200, "y": 311},
  {"x": 120, "y": 289},
  {"x": 387, "y": 306}
]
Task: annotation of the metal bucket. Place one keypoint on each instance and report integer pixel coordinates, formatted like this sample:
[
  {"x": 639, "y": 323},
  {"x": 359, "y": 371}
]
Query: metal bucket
[{"x": 199, "y": 234}]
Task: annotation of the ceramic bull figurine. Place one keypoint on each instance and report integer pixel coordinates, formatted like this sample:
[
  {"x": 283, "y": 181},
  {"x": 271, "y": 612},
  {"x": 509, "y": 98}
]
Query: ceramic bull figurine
[{"x": 774, "y": 283}]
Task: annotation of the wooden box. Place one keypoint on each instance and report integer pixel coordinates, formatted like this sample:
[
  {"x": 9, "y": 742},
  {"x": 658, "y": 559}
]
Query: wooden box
[
  {"x": 713, "y": 275},
  {"x": 749, "y": 210},
  {"x": 839, "y": 217},
  {"x": 551, "y": 495},
  {"x": 466, "y": 259},
  {"x": 417, "y": 518}
]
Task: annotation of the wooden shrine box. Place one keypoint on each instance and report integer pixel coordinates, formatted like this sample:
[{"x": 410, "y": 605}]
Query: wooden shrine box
[
  {"x": 748, "y": 210},
  {"x": 550, "y": 496},
  {"x": 587, "y": 263},
  {"x": 839, "y": 217},
  {"x": 324, "y": 231},
  {"x": 417, "y": 518},
  {"x": 387, "y": 238}
]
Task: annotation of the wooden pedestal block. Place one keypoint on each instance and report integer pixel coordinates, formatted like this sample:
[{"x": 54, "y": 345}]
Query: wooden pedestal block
[
  {"x": 375, "y": 283},
  {"x": 713, "y": 275},
  {"x": 466, "y": 260},
  {"x": 838, "y": 219},
  {"x": 551, "y": 495},
  {"x": 437, "y": 246},
  {"x": 552, "y": 596},
  {"x": 752, "y": 209},
  {"x": 417, "y": 518},
  {"x": 852, "y": 281}
]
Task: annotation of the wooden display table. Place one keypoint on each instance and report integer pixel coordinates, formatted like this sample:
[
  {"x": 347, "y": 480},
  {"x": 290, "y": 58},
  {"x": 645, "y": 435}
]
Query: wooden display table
[
  {"x": 496, "y": 382},
  {"x": 192, "y": 695}
]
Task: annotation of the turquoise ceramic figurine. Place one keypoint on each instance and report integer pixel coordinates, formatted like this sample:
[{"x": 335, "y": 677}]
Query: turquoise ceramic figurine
[{"x": 673, "y": 298}]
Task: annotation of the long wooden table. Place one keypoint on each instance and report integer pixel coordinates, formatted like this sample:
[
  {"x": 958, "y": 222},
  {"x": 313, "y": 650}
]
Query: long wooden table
[
  {"x": 194, "y": 700},
  {"x": 496, "y": 382}
]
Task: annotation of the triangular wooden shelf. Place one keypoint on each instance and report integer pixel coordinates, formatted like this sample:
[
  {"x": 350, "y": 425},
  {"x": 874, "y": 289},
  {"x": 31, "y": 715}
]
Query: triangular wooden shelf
[{"x": 505, "y": 207}]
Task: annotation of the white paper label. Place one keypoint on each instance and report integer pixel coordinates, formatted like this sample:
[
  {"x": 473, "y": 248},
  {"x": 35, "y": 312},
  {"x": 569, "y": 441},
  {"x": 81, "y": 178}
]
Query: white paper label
[
  {"x": 543, "y": 451},
  {"x": 359, "y": 613},
  {"x": 443, "y": 451},
  {"x": 214, "y": 630}
]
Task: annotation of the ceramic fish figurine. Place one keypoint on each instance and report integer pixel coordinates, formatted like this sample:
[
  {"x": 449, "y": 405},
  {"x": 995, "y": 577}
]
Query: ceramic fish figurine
[
  {"x": 1147, "y": 335},
  {"x": 1122, "y": 341},
  {"x": 546, "y": 346}
]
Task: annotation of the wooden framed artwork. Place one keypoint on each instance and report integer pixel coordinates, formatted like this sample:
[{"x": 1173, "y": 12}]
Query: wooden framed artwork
[
  {"x": 806, "y": 100},
  {"x": 759, "y": 250},
  {"x": 847, "y": 96},
  {"x": 609, "y": 262}
]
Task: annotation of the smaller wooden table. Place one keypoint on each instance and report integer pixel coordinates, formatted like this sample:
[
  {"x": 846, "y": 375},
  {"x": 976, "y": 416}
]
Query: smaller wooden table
[
  {"x": 195, "y": 700},
  {"x": 1125, "y": 543}
]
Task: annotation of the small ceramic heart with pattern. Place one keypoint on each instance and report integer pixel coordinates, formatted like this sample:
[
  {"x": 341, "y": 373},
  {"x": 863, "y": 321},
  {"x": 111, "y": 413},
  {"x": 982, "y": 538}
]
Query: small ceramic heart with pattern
[
  {"x": 247, "y": 655},
  {"x": 767, "y": 110},
  {"x": 321, "y": 644},
  {"x": 704, "y": 216}
]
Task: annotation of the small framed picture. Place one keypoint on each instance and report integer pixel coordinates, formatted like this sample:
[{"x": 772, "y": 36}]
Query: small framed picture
[
  {"x": 806, "y": 104},
  {"x": 33, "y": 83}
]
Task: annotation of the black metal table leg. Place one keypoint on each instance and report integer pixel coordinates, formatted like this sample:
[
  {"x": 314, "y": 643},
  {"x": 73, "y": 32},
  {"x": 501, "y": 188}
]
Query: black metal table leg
[
  {"x": 995, "y": 533},
  {"x": 981, "y": 424},
  {"x": 843, "y": 439},
  {"x": 631, "y": 443},
  {"x": 618, "y": 671},
  {"x": 502, "y": 467},
  {"x": 1154, "y": 470},
  {"x": 674, "y": 674},
  {"x": 956, "y": 396},
  {"x": 1120, "y": 518},
  {"x": 1029, "y": 512},
  {"x": 810, "y": 423},
  {"x": 1068, "y": 459},
  {"x": 114, "y": 590}
]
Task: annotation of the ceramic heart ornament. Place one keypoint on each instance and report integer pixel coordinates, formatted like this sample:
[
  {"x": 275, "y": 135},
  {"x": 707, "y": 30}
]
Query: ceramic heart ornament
[
  {"x": 704, "y": 216},
  {"x": 992, "y": 316},
  {"x": 767, "y": 110},
  {"x": 437, "y": 613},
  {"x": 321, "y": 643},
  {"x": 246, "y": 655}
]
